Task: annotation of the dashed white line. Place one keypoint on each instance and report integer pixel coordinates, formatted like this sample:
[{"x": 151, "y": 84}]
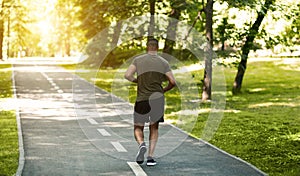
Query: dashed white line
[
  {"x": 138, "y": 171},
  {"x": 50, "y": 80},
  {"x": 92, "y": 121},
  {"x": 45, "y": 75},
  {"x": 53, "y": 84},
  {"x": 118, "y": 146},
  {"x": 103, "y": 132}
]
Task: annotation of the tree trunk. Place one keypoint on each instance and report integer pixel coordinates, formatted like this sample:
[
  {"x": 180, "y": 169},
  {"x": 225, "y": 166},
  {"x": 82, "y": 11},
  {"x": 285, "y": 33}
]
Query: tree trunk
[
  {"x": 1, "y": 30},
  {"x": 67, "y": 47},
  {"x": 152, "y": 13},
  {"x": 171, "y": 31},
  {"x": 207, "y": 80},
  {"x": 116, "y": 35},
  {"x": 237, "y": 85}
]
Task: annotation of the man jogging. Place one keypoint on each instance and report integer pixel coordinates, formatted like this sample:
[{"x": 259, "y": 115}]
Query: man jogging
[{"x": 152, "y": 70}]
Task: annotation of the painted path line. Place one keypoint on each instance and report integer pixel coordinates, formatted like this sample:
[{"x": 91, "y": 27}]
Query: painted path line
[
  {"x": 19, "y": 126},
  {"x": 92, "y": 121},
  {"x": 118, "y": 146},
  {"x": 103, "y": 132},
  {"x": 138, "y": 171}
]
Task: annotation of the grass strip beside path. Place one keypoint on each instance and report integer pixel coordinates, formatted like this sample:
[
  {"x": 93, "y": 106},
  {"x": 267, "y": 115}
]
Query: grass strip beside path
[
  {"x": 262, "y": 125},
  {"x": 9, "y": 153}
]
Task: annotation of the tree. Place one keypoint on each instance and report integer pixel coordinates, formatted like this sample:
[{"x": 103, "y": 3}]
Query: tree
[
  {"x": 96, "y": 15},
  {"x": 252, "y": 33},
  {"x": 224, "y": 31},
  {"x": 12, "y": 21},
  {"x": 177, "y": 7},
  {"x": 106, "y": 16},
  {"x": 152, "y": 13},
  {"x": 207, "y": 80},
  {"x": 18, "y": 30},
  {"x": 291, "y": 35},
  {"x": 65, "y": 30},
  {"x": 1, "y": 28}
]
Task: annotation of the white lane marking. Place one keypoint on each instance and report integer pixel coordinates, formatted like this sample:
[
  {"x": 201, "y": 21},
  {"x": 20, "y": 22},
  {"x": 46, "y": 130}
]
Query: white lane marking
[
  {"x": 19, "y": 126},
  {"x": 53, "y": 84},
  {"x": 118, "y": 146},
  {"x": 50, "y": 80},
  {"x": 138, "y": 171},
  {"x": 103, "y": 132},
  {"x": 92, "y": 121},
  {"x": 45, "y": 75}
]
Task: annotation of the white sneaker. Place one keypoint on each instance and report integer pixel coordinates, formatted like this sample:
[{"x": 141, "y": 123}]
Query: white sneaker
[
  {"x": 141, "y": 153},
  {"x": 150, "y": 161}
]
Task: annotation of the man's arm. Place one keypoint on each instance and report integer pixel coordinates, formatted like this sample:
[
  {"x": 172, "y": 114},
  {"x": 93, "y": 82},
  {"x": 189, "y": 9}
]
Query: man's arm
[
  {"x": 172, "y": 81},
  {"x": 129, "y": 74}
]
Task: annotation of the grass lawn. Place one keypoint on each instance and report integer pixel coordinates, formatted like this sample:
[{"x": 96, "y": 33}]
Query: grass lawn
[
  {"x": 9, "y": 153},
  {"x": 261, "y": 125}
]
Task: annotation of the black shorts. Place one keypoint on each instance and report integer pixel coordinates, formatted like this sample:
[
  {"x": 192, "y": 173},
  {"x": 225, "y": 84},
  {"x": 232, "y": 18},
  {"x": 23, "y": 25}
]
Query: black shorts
[{"x": 149, "y": 111}]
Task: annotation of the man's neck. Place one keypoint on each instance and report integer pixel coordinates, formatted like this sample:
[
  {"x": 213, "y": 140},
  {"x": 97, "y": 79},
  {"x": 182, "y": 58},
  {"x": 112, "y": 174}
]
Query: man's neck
[{"x": 152, "y": 52}]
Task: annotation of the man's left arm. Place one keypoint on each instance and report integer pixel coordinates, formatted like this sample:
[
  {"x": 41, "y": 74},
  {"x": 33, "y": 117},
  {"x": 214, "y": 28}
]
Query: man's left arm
[{"x": 172, "y": 81}]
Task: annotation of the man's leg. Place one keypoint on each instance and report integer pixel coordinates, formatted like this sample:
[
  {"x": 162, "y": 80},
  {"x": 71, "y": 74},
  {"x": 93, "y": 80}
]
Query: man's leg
[
  {"x": 153, "y": 137},
  {"x": 156, "y": 116},
  {"x": 139, "y": 133},
  {"x": 140, "y": 117},
  {"x": 139, "y": 137}
]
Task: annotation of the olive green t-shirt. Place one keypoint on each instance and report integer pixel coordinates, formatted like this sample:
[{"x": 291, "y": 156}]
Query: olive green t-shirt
[{"x": 151, "y": 71}]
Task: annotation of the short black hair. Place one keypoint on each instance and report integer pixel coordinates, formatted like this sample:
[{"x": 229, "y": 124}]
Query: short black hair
[{"x": 152, "y": 42}]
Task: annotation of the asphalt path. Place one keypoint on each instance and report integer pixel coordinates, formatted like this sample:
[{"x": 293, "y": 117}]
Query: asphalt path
[{"x": 70, "y": 127}]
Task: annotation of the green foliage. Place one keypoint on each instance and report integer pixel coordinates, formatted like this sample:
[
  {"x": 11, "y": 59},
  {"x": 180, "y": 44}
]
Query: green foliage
[
  {"x": 291, "y": 35},
  {"x": 96, "y": 15},
  {"x": 225, "y": 32},
  {"x": 66, "y": 33},
  {"x": 185, "y": 55},
  {"x": 270, "y": 41},
  {"x": 18, "y": 19},
  {"x": 119, "y": 56},
  {"x": 72, "y": 23},
  {"x": 242, "y": 3},
  {"x": 92, "y": 17}
]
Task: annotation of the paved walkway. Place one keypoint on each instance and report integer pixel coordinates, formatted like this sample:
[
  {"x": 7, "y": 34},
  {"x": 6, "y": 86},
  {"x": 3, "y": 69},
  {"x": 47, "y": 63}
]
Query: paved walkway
[{"x": 69, "y": 127}]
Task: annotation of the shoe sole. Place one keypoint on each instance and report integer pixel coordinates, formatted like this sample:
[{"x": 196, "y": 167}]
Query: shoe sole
[
  {"x": 141, "y": 155},
  {"x": 151, "y": 164}
]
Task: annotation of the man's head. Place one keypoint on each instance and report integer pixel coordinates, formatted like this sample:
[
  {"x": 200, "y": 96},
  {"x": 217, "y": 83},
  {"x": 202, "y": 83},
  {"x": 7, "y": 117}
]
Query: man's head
[{"x": 152, "y": 44}]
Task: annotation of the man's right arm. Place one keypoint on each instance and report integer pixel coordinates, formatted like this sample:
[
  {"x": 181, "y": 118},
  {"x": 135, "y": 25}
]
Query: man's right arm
[
  {"x": 172, "y": 81},
  {"x": 130, "y": 72}
]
